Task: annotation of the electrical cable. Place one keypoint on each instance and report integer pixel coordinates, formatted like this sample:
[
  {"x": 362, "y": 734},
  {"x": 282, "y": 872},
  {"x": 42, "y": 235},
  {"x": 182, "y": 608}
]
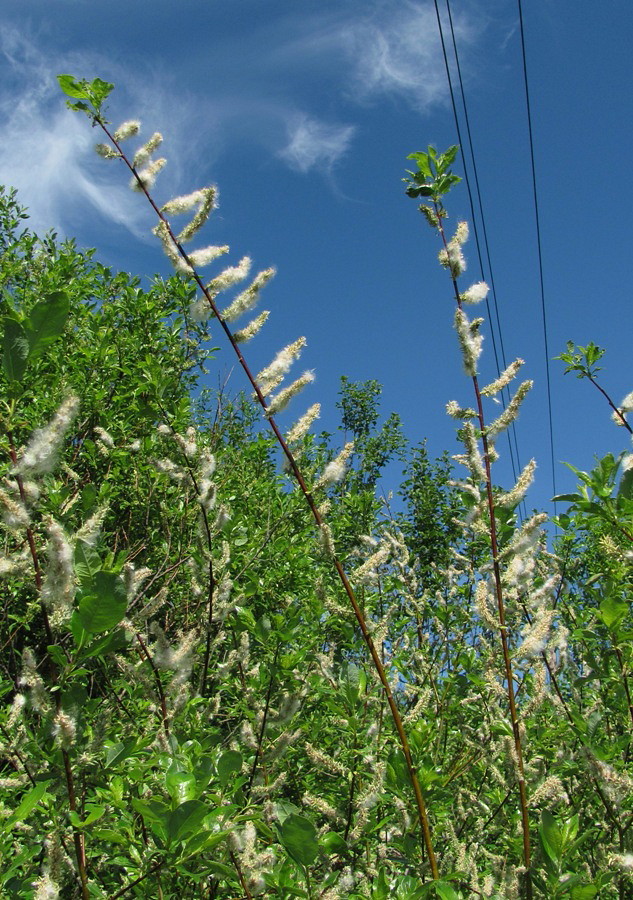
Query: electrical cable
[
  {"x": 540, "y": 254},
  {"x": 484, "y": 233},
  {"x": 472, "y": 207}
]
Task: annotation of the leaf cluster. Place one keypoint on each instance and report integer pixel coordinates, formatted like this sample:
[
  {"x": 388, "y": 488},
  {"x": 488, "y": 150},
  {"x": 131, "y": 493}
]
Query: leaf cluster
[
  {"x": 187, "y": 705},
  {"x": 433, "y": 177},
  {"x": 87, "y": 96},
  {"x": 582, "y": 360}
]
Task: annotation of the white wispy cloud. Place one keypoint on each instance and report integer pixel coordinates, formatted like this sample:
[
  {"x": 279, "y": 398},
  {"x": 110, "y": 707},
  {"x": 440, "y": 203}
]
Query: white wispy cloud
[
  {"x": 47, "y": 157},
  {"x": 349, "y": 52},
  {"x": 314, "y": 144},
  {"x": 43, "y": 144},
  {"x": 47, "y": 151},
  {"x": 396, "y": 51},
  {"x": 368, "y": 50},
  {"x": 399, "y": 54},
  {"x": 360, "y": 54}
]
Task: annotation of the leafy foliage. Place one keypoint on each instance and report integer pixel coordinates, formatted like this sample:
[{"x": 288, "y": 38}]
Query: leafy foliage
[
  {"x": 433, "y": 178},
  {"x": 189, "y": 707},
  {"x": 87, "y": 96}
]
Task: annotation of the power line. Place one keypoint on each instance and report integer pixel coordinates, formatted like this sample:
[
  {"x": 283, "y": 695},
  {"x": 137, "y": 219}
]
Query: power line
[
  {"x": 514, "y": 465},
  {"x": 540, "y": 255},
  {"x": 484, "y": 230}
]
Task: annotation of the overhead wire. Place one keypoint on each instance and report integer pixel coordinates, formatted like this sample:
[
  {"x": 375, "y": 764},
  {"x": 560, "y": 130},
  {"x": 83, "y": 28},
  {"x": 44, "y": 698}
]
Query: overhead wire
[
  {"x": 540, "y": 253},
  {"x": 512, "y": 434},
  {"x": 514, "y": 464}
]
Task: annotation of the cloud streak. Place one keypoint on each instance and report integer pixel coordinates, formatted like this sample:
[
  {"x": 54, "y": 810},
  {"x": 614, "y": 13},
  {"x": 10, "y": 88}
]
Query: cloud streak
[
  {"x": 372, "y": 50},
  {"x": 47, "y": 151},
  {"x": 346, "y": 53},
  {"x": 315, "y": 144},
  {"x": 400, "y": 54}
]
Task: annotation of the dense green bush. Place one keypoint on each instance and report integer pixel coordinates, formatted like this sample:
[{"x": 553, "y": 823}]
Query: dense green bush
[{"x": 221, "y": 681}]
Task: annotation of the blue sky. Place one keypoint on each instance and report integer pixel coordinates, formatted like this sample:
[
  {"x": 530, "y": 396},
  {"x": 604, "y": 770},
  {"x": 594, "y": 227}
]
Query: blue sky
[{"x": 303, "y": 114}]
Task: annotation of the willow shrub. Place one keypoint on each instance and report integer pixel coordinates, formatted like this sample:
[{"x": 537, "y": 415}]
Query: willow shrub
[{"x": 217, "y": 685}]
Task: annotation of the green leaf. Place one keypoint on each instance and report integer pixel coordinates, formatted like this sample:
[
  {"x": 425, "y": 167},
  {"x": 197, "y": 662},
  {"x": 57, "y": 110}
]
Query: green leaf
[
  {"x": 14, "y": 865},
  {"x": 79, "y": 106},
  {"x": 570, "y": 830},
  {"x": 101, "y": 89},
  {"x": 203, "y": 840},
  {"x": 551, "y": 837},
  {"x": 93, "y": 92},
  {"x": 229, "y": 764},
  {"x": 94, "y": 813},
  {"x": 422, "y": 191},
  {"x": 448, "y": 158},
  {"x": 397, "y": 768},
  {"x": 107, "y": 643},
  {"x": 445, "y": 891},
  {"x": 46, "y": 322},
  {"x": 409, "y": 888},
  {"x": 15, "y": 349},
  {"x": 56, "y": 654},
  {"x": 181, "y": 786},
  {"x": 119, "y": 752},
  {"x": 262, "y": 628},
  {"x": 583, "y": 892},
  {"x": 72, "y": 88},
  {"x": 105, "y": 605},
  {"x": 422, "y": 160},
  {"x": 109, "y": 836},
  {"x": 283, "y": 809},
  {"x": 380, "y": 887},
  {"x": 612, "y": 612},
  {"x": 334, "y": 843},
  {"x": 298, "y": 835},
  {"x": 563, "y": 521},
  {"x": 351, "y": 681},
  {"x": 185, "y": 818},
  {"x": 87, "y": 561},
  {"x": 241, "y": 538},
  {"x": 26, "y": 805},
  {"x": 445, "y": 182},
  {"x": 154, "y": 811}
]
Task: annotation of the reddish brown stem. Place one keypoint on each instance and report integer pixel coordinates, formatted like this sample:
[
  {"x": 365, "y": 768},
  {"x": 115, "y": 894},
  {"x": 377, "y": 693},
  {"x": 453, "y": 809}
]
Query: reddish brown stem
[
  {"x": 262, "y": 730},
  {"x": 78, "y": 839},
  {"x": 611, "y": 404},
  {"x": 505, "y": 649},
  {"x": 294, "y": 468},
  {"x": 30, "y": 537},
  {"x": 240, "y": 875},
  {"x": 159, "y": 685}
]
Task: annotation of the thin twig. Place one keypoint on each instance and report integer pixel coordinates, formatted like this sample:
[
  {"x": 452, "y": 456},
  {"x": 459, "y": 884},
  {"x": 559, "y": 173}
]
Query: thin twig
[
  {"x": 159, "y": 685},
  {"x": 494, "y": 549},
  {"x": 78, "y": 838},
  {"x": 295, "y": 470}
]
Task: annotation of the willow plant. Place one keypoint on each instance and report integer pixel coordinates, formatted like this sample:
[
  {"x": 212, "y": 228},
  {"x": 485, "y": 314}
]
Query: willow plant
[
  {"x": 190, "y": 677},
  {"x": 512, "y": 567},
  {"x": 144, "y": 167}
]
